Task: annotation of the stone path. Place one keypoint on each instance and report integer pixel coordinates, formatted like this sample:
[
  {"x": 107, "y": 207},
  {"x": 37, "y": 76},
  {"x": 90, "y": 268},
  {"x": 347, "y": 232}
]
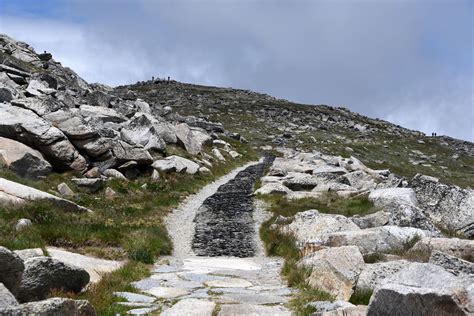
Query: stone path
[{"x": 187, "y": 284}]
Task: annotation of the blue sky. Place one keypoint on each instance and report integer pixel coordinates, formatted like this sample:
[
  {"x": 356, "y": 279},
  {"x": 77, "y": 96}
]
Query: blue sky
[{"x": 410, "y": 61}]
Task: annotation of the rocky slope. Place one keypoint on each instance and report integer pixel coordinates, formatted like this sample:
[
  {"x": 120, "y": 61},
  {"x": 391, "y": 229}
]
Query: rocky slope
[
  {"x": 265, "y": 120},
  {"x": 103, "y": 166}
]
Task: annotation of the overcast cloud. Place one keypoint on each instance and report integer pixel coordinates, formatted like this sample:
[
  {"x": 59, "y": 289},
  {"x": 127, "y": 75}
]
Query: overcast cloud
[{"x": 410, "y": 62}]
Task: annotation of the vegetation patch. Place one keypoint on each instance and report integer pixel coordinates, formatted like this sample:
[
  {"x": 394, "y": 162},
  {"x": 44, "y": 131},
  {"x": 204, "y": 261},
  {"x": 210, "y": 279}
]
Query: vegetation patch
[{"x": 361, "y": 297}]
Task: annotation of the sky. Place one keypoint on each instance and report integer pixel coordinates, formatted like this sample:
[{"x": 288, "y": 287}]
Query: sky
[{"x": 410, "y": 62}]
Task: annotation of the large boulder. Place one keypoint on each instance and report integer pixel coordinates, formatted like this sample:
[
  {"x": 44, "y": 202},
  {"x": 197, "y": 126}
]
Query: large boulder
[
  {"x": 22, "y": 159},
  {"x": 335, "y": 270},
  {"x": 124, "y": 152},
  {"x": 11, "y": 269},
  {"x": 43, "y": 274},
  {"x": 446, "y": 205},
  {"x": 452, "y": 264},
  {"x": 16, "y": 193},
  {"x": 140, "y": 130},
  {"x": 177, "y": 164},
  {"x": 393, "y": 197},
  {"x": 373, "y": 274},
  {"x": 402, "y": 205},
  {"x": 377, "y": 239},
  {"x": 6, "y": 297},
  {"x": 26, "y": 127},
  {"x": 55, "y": 306},
  {"x": 191, "y": 140},
  {"x": 311, "y": 226},
  {"x": 461, "y": 248},
  {"x": 423, "y": 289},
  {"x": 101, "y": 114}
]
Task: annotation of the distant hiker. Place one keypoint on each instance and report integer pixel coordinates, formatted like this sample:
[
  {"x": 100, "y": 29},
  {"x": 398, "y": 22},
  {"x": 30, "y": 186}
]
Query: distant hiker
[
  {"x": 168, "y": 79},
  {"x": 152, "y": 78}
]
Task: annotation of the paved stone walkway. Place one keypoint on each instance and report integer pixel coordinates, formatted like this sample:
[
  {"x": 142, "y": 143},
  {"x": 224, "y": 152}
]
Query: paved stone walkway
[{"x": 186, "y": 284}]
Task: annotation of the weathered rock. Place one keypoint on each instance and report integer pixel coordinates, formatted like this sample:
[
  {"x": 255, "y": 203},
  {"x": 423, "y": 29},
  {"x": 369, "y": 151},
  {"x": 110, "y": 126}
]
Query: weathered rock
[
  {"x": 359, "y": 180},
  {"x": 373, "y": 274},
  {"x": 71, "y": 124},
  {"x": 124, "y": 152},
  {"x": 376, "y": 219},
  {"x": 101, "y": 114},
  {"x": 216, "y": 152},
  {"x": 91, "y": 185},
  {"x": 6, "y": 95},
  {"x": 377, "y": 239},
  {"x": 95, "y": 267},
  {"x": 393, "y": 197},
  {"x": 110, "y": 193},
  {"x": 11, "y": 269},
  {"x": 335, "y": 270},
  {"x": 234, "y": 154},
  {"x": 176, "y": 163},
  {"x": 16, "y": 193},
  {"x": 461, "y": 248},
  {"x": 42, "y": 274},
  {"x": 92, "y": 173},
  {"x": 23, "y": 223},
  {"x": 29, "y": 253},
  {"x": 65, "y": 190},
  {"x": 22, "y": 159},
  {"x": 191, "y": 140},
  {"x": 423, "y": 289},
  {"x": 95, "y": 146},
  {"x": 28, "y": 128},
  {"x": 446, "y": 205},
  {"x": 311, "y": 226},
  {"x": 112, "y": 173},
  {"x": 52, "y": 306},
  {"x": 155, "y": 176},
  {"x": 452, "y": 264},
  {"x": 140, "y": 130},
  {"x": 273, "y": 188},
  {"x": 6, "y": 298},
  {"x": 204, "y": 170}
]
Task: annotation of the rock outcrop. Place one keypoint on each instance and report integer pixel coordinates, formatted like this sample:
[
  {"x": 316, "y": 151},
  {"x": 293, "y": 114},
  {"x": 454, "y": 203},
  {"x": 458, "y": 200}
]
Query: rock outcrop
[
  {"x": 423, "y": 289},
  {"x": 42, "y": 274},
  {"x": 446, "y": 205},
  {"x": 22, "y": 159}
]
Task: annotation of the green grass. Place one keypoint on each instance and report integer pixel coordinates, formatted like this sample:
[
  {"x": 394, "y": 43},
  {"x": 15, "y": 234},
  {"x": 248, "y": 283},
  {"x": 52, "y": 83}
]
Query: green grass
[
  {"x": 329, "y": 203},
  {"x": 128, "y": 226},
  {"x": 251, "y": 115},
  {"x": 361, "y": 297},
  {"x": 284, "y": 245},
  {"x": 101, "y": 294}
]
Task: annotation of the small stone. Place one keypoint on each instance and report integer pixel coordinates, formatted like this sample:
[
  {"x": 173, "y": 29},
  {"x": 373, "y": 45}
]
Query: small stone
[
  {"x": 93, "y": 173},
  {"x": 110, "y": 193},
  {"x": 91, "y": 185},
  {"x": 65, "y": 190},
  {"x": 204, "y": 170},
  {"x": 112, "y": 173},
  {"x": 23, "y": 223},
  {"x": 155, "y": 176}
]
